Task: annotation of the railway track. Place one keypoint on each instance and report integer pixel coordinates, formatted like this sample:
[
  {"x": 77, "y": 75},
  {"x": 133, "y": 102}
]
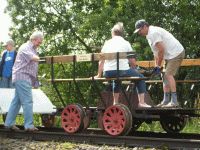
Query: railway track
[{"x": 93, "y": 136}]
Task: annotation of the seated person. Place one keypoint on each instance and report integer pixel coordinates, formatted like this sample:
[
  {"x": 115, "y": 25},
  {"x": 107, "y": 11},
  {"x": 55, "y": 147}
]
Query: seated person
[
  {"x": 147, "y": 72},
  {"x": 132, "y": 61},
  {"x": 109, "y": 67}
]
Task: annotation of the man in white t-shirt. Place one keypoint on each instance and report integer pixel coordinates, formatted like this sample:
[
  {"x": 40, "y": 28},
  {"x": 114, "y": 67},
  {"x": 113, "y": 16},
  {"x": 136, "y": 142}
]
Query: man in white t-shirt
[
  {"x": 164, "y": 47},
  {"x": 109, "y": 67}
]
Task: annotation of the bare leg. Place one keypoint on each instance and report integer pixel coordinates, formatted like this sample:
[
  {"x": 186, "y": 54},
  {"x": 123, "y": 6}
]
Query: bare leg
[
  {"x": 166, "y": 88},
  {"x": 171, "y": 82},
  {"x": 141, "y": 98},
  {"x": 141, "y": 101},
  {"x": 115, "y": 98},
  {"x": 166, "y": 92}
]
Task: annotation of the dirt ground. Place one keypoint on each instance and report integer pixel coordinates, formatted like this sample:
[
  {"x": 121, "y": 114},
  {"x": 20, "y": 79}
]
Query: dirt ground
[{"x": 22, "y": 144}]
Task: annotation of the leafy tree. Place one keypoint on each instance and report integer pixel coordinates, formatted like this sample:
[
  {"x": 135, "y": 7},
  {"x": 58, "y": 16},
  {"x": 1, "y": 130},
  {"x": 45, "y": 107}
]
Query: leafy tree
[
  {"x": 82, "y": 26},
  {"x": 72, "y": 25}
]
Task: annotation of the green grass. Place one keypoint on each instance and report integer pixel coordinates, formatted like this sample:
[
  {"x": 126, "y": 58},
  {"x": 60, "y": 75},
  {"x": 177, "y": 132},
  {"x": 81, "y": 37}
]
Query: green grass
[
  {"x": 192, "y": 126},
  {"x": 154, "y": 126}
]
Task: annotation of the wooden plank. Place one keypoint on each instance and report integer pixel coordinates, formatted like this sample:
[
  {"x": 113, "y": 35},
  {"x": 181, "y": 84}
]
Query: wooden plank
[
  {"x": 110, "y": 56},
  {"x": 59, "y": 59},
  {"x": 99, "y": 79},
  {"x": 191, "y": 62},
  {"x": 146, "y": 64},
  {"x": 185, "y": 63},
  {"x": 177, "y": 81},
  {"x": 122, "y": 79},
  {"x": 86, "y": 57}
]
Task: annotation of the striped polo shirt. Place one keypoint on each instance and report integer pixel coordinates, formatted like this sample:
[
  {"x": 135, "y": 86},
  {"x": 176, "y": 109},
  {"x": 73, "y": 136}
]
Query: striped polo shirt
[{"x": 25, "y": 68}]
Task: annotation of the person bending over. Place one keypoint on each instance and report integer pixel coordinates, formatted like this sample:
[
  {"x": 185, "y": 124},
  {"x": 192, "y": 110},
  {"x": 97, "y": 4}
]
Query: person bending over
[{"x": 164, "y": 47}]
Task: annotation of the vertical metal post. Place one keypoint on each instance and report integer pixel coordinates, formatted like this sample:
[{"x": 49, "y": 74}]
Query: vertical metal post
[
  {"x": 117, "y": 65},
  {"x": 74, "y": 67},
  {"x": 92, "y": 66},
  {"x": 52, "y": 70}
]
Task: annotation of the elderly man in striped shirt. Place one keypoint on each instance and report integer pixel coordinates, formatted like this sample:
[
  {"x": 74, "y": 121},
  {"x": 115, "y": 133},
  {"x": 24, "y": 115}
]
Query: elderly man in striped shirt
[{"x": 24, "y": 78}]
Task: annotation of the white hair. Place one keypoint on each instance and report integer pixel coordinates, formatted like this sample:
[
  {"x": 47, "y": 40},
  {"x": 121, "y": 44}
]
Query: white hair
[
  {"x": 118, "y": 29},
  {"x": 9, "y": 42},
  {"x": 36, "y": 35}
]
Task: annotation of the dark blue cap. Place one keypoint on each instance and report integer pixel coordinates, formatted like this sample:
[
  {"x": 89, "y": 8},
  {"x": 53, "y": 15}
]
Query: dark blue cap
[{"x": 139, "y": 24}]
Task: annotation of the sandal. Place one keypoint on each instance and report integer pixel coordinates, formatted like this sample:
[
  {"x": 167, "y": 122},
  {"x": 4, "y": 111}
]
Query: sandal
[
  {"x": 32, "y": 129},
  {"x": 13, "y": 128}
]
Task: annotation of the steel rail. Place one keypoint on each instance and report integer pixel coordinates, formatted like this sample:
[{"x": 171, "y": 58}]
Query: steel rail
[{"x": 130, "y": 141}]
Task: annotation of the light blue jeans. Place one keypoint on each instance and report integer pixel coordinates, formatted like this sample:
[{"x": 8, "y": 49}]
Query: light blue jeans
[
  {"x": 23, "y": 97},
  {"x": 6, "y": 83},
  {"x": 140, "y": 85}
]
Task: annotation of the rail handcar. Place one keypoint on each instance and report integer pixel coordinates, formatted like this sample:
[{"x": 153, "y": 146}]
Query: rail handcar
[{"x": 119, "y": 119}]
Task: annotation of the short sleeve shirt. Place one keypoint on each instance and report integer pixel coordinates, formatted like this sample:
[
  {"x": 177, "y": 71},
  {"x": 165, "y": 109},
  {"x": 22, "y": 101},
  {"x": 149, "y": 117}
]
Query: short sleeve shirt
[
  {"x": 25, "y": 68},
  {"x": 116, "y": 44},
  {"x": 172, "y": 46}
]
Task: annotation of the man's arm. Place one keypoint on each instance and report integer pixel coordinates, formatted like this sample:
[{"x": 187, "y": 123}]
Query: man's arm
[
  {"x": 160, "y": 48},
  {"x": 156, "y": 60},
  {"x": 35, "y": 58},
  {"x": 100, "y": 68}
]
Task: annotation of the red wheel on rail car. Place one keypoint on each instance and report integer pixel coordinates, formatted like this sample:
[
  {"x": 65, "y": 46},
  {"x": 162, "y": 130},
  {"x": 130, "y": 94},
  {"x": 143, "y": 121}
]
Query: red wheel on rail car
[
  {"x": 130, "y": 119},
  {"x": 117, "y": 120},
  {"x": 72, "y": 118}
]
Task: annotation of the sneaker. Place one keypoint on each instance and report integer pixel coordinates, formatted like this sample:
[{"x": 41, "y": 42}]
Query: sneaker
[
  {"x": 162, "y": 104},
  {"x": 32, "y": 129},
  {"x": 143, "y": 105},
  {"x": 116, "y": 103},
  {"x": 149, "y": 106},
  {"x": 12, "y": 128},
  {"x": 171, "y": 104}
]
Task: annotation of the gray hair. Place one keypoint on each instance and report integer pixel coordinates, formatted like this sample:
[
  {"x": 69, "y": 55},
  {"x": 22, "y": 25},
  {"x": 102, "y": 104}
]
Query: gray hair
[
  {"x": 36, "y": 35},
  {"x": 118, "y": 29},
  {"x": 9, "y": 42}
]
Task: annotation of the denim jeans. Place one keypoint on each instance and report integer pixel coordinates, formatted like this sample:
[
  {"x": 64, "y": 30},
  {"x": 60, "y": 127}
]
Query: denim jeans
[
  {"x": 140, "y": 85},
  {"x": 6, "y": 83},
  {"x": 23, "y": 97}
]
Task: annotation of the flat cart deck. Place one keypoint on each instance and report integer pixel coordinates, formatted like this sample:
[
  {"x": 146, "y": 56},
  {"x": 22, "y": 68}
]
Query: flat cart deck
[{"x": 41, "y": 103}]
